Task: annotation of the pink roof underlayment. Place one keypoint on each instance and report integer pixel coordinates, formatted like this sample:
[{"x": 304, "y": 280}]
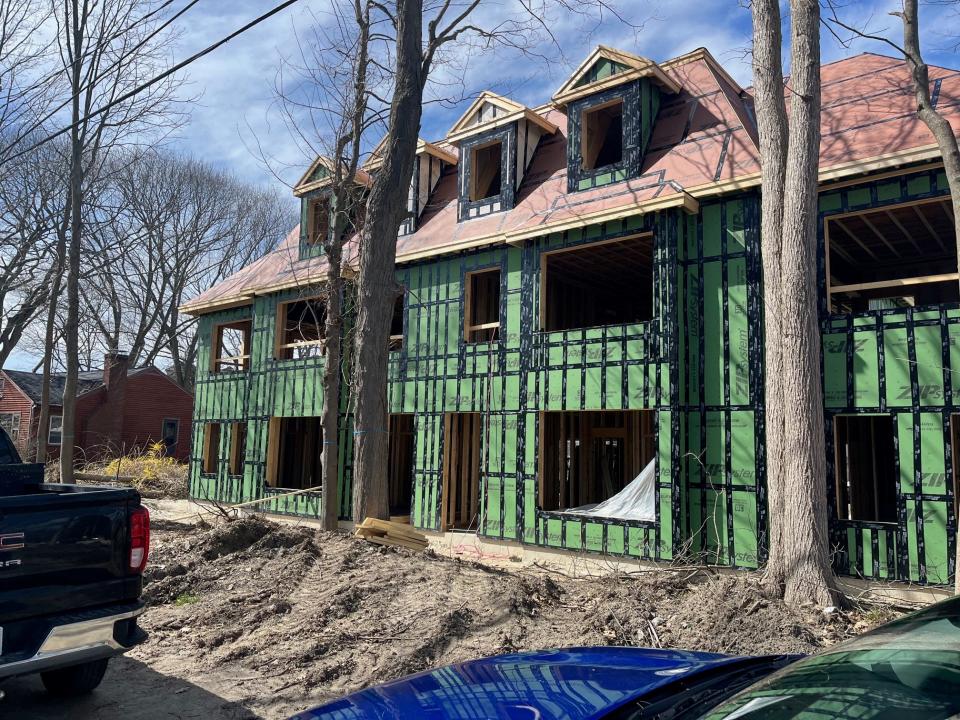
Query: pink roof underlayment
[{"x": 704, "y": 143}]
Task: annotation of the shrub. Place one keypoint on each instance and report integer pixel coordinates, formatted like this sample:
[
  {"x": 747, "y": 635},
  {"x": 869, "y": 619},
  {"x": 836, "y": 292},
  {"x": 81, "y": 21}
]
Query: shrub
[{"x": 150, "y": 471}]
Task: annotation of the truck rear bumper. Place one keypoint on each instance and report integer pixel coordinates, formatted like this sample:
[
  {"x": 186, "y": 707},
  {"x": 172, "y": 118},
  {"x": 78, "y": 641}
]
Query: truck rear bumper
[{"x": 77, "y": 638}]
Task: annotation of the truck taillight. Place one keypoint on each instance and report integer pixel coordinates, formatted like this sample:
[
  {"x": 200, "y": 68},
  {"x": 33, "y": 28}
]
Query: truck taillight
[{"x": 139, "y": 539}]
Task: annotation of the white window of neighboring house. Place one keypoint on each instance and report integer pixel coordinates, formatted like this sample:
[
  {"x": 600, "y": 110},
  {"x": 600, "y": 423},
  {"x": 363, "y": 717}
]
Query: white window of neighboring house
[
  {"x": 10, "y": 421},
  {"x": 56, "y": 429}
]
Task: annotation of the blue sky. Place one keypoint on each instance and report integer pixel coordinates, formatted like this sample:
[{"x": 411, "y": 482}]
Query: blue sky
[{"x": 236, "y": 108}]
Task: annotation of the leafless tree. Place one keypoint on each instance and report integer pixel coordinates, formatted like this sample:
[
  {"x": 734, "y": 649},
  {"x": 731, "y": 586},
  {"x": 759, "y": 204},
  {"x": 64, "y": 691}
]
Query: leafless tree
[
  {"x": 163, "y": 228},
  {"x": 24, "y": 84},
  {"x": 798, "y": 567},
  {"x": 105, "y": 49},
  {"x": 31, "y": 204},
  {"x": 421, "y": 31},
  {"x": 330, "y": 105}
]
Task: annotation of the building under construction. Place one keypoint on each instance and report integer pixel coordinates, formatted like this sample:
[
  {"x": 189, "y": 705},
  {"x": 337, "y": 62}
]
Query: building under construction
[{"x": 576, "y": 358}]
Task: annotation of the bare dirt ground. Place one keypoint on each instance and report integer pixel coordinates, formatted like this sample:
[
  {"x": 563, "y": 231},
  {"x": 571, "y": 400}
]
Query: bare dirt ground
[{"x": 252, "y": 619}]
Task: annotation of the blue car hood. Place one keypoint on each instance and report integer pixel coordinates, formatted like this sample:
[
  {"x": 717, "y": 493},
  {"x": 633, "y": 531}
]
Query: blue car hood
[{"x": 568, "y": 684}]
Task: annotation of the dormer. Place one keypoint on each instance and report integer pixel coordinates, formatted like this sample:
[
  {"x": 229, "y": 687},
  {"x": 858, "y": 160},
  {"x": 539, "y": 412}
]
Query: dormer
[
  {"x": 496, "y": 138},
  {"x": 611, "y": 102},
  {"x": 315, "y": 190},
  {"x": 430, "y": 162}
]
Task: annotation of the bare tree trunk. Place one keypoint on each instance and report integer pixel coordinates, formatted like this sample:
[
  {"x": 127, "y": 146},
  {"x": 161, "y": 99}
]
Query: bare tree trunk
[
  {"x": 44, "y": 421},
  {"x": 330, "y": 417},
  {"x": 772, "y": 128},
  {"x": 377, "y": 285},
  {"x": 799, "y": 560},
  {"x": 72, "y": 323}
]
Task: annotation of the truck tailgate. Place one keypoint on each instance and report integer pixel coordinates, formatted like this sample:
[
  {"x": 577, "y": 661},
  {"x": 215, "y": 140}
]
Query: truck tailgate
[{"x": 65, "y": 548}]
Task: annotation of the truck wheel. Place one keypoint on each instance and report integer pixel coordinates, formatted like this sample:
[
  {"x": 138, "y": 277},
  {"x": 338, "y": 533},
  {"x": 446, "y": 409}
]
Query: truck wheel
[{"x": 74, "y": 680}]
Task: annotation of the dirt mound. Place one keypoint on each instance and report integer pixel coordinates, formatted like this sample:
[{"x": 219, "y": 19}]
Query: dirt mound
[
  {"x": 304, "y": 616},
  {"x": 188, "y": 565}
]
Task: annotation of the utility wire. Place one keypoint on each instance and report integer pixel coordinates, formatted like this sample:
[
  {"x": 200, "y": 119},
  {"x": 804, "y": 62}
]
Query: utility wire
[
  {"x": 39, "y": 123},
  {"x": 153, "y": 81}
]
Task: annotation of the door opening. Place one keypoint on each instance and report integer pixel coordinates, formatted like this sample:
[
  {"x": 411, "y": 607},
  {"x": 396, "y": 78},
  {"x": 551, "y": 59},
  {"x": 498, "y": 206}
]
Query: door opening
[
  {"x": 461, "y": 471},
  {"x": 400, "y": 466}
]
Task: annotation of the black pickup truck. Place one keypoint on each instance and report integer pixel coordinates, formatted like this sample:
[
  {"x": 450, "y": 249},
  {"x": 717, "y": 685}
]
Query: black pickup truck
[{"x": 71, "y": 564}]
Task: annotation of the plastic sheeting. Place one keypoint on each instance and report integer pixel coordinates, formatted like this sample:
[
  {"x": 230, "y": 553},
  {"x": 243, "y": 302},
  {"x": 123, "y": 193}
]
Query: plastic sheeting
[{"x": 636, "y": 501}]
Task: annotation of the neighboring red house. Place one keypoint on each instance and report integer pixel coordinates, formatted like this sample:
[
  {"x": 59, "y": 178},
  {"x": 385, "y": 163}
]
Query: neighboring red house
[{"x": 118, "y": 409}]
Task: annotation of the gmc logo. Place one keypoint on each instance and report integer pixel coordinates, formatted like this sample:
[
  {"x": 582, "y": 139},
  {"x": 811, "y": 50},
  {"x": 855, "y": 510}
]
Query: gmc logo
[{"x": 9, "y": 541}]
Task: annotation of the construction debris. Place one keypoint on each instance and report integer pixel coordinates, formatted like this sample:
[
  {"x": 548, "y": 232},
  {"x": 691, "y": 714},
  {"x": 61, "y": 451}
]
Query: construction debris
[
  {"x": 276, "y": 618},
  {"x": 385, "y": 532}
]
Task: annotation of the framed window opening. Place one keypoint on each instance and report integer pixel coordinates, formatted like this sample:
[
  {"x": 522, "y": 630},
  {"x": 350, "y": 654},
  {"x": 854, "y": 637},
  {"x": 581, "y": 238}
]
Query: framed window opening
[
  {"x": 601, "y": 283},
  {"x": 865, "y": 468},
  {"x": 891, "y": 257},
  {"x": 294, "y": 453},
  {"x": 231, "y": 346},
  {"x": 589, "y": 456},
  {"x": 238, "y": 447},
  {"x": 601, "y": 135},
  {"x": 486, "y": 170},
  {"x": 396, "y": 323},
  {"x": 318, "y": 221},
  {"x": 210, "y": 458},
  {"x": 301, "y": 329},
  {"x": 170, "y": 434},
  {"x": 482, "y": 305},
  {"x": 55, "y": 430}
]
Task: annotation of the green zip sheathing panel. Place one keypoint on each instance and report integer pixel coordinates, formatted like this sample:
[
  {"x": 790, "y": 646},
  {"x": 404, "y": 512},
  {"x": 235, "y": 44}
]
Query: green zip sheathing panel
[
  {"x": 508, "y": 382},
  {"x": 602, "y": 68},
  {"x": 270, "y": 388},
  {"x": 527, "y": 371},
  {"x": 898, "y": 363},
  {"x": 721, "y": 384},
  {"x": 697, "y": 364},
  {"x": 702, "y": 386}
]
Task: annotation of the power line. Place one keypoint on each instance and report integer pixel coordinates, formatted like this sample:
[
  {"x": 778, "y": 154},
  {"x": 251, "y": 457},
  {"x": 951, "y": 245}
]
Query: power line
[
  {"x": 153, "y": 81},
  {"x": 39, "y": 123}
]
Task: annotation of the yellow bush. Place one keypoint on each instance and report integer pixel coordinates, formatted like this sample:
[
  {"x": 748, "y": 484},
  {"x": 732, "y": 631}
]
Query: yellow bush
[{"x": 150, "y": 471}]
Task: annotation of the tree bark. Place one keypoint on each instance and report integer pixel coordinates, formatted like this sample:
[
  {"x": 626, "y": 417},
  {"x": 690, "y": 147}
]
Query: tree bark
[
  {"x": 43, "y": 427},
  {"x": 377, "y": 286},
  {"x": 771, "y": 115},
  {"x": 330, "y": 416},
  {"x": 72, "y": 323},
  {"x": 942, "y": 132},
  {"x": 798, "y": 566}
]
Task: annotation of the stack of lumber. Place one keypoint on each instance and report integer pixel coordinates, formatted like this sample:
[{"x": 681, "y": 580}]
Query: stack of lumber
[{"x": 384, "y": 532}]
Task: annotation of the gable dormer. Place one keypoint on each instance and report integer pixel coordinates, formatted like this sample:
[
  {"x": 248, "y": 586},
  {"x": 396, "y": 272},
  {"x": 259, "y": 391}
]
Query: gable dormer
[
  {"x": 315, "y": 190},
  {"x": 611, "y": 102},
  {"x": 430, "y": 162},
  {"x": 496, "y": 138}
]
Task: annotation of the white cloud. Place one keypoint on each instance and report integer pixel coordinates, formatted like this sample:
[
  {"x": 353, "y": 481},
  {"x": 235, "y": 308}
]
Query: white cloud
[{"x": 236, "y": 80}]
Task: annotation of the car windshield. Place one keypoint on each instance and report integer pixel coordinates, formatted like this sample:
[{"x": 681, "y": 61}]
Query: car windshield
[{"x": 908, "y": 669}]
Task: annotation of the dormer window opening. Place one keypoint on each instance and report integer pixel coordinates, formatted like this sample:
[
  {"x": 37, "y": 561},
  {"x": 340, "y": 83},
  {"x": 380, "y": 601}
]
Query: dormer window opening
[
  {"x": 319, "y": 222},
  {"x": 602, "y": 135},
  {"x": 486, "y": 171}
]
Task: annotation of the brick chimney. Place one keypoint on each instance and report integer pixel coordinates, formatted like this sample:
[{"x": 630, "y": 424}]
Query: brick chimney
[{"x": 115, "y": 367}]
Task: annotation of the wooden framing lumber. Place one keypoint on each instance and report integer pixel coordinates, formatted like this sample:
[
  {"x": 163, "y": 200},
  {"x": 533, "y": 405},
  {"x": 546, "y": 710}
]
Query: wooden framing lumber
[
  {"x": 897, "y": 282},
  {"x": 385, "y": 532}
]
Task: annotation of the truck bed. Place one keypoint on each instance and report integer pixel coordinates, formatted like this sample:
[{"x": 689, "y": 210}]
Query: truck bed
[{"x": 64, "y": 548}]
